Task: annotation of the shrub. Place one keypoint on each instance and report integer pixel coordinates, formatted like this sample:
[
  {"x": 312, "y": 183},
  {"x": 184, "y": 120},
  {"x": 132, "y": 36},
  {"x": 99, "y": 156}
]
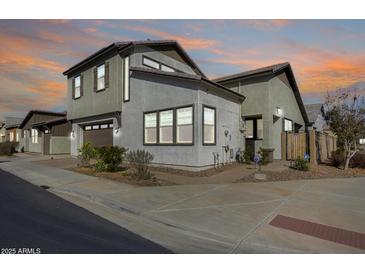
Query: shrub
[
  {"x": 248, "y": 155},
  {"x": 139, "y": 161},
  {"x": 358, "y": 160},
  {"x": 87, "y": 152},
  {"x": 6, "y": 148},
  {"x": 337, "y": 158},
  {"x": 109, "y": 158},
  {"x": 300, "y": 164}
]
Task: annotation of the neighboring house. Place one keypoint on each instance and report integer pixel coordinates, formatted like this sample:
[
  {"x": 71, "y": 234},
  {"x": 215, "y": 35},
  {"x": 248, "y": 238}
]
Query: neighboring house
[
  {"x": 56, "y": 136},
  {"x": 32, "y": 138},
  {"x": 273, "y": 105},
  {"x": 13, "y": 132},
  {"x": 315, "y": 117},
  {"x": 2, "y": 131},
  {"x": 151, "y": 95}
]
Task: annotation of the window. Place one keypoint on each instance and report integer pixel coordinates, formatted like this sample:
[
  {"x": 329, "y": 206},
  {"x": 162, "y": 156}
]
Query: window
[
  {"x": 46, "y": 131},
  {"x": 151, "y": 63},
  {"x": 111, "y": 125},
  {"x": 362, "y": 141},
  {"x": 166, "y": 120},
  {"x": 167, "y": 68},
  {"x": 17, "y": 137},
  {"x": 95, "y": 126},
  {"x": 34, "y": 136},
  {"x": 288, "y": 125},
  {"x": 156, "y": 65},
  {"x": 88, "y": 128},
  {"x": 101, "y": 77},
  {"x": 104, "y": 126},
  {"x": 208, "y": 126},
  {"x": 254, "y": 128},
  {"x": 150, "y": 128},
  {"x": 11, "y": 136},
  {"x": 249, "y": 129},
  {"x": 184, "y": 125},
  {"x": 77, "y": 93},
  {"x": 259, "y": 129},
  {"x": 126, "y": 79}
]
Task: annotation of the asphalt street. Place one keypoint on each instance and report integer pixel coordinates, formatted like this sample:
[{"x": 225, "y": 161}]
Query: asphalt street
[{"x": 33, "y": 220}]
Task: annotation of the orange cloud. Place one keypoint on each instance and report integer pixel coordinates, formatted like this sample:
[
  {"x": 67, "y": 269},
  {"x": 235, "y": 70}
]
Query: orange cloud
[
  {"x": 187, "y": 43},
  {"x": 267, "y": 25}
]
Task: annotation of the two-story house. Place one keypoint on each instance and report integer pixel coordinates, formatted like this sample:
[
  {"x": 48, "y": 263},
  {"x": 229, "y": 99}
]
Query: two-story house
[{"x": 151, "y": 95}]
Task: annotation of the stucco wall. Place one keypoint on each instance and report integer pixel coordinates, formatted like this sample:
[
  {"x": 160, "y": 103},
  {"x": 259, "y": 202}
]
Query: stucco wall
[
  {"x": 136, "y": 59},
  {"x": 60, "y": 145},
  {"x": 282, "y": 96},
  {"x": 95, "y": 103}
]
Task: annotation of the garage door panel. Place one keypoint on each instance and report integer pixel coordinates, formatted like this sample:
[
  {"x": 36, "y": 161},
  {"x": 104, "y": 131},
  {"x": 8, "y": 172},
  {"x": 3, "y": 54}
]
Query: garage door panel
[{"x": 99, "y": 137}]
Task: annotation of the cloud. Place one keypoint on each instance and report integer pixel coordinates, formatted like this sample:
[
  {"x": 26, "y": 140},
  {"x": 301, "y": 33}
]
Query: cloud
[
  {"x": 267, "y": 25},
  {"x": 186, "y": 42}
]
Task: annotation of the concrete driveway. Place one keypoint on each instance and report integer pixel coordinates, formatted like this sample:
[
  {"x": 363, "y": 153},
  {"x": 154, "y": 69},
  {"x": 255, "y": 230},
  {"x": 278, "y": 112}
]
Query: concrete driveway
[{"x": 215, "y": 218}]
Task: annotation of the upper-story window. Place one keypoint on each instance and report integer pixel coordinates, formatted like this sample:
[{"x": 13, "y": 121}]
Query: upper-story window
[
  {"x": 148, "y": 62},
  {"x": 126, "y": 90},
  {"x": 101, "y": 77},
  {"x": 77, "y": 87}
]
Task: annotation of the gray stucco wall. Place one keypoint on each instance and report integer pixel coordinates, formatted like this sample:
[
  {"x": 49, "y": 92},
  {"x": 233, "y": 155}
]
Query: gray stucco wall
[
  {"x": 282, "y": 96},
  {"x": 136, "y": 59},
  {"x": 95, "y": 103},
  {"x": 263, "y": 95},
  {"x": 149, "y": 93}
]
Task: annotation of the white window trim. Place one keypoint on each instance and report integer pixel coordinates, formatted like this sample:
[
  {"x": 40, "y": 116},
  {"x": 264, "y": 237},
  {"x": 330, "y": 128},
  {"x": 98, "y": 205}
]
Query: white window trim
[
  {"x": 126, "y": 92},
  {"x": 77, "y": 93},
  {"x": 213, "y": 142}
]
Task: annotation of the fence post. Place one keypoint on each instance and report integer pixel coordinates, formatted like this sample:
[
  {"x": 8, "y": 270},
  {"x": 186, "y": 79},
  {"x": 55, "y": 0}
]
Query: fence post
[
  {"x": 312, "y": 147},
  {"x": 283, "y": 146}
]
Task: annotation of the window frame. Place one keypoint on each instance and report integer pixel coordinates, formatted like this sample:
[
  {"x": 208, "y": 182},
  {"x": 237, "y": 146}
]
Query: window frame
[
  {"x": 255, "y": 135},
  {"x": 77, "y": 76},
  {"x": 192, "y": 124},
  {"x": 292, "y": 125},
  {"x": 97, "y": 77},
  {"x": 34, "y": 138},
  {"x": 159, "y": 64},
  {"x": 215, "y": 125},
  {"x": 126, "y": 78},
  {"x": 174, "y": 127}
]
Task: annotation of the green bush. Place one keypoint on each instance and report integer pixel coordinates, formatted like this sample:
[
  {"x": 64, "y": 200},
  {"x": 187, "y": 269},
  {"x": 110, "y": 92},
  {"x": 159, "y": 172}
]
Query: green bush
[
  {"x": 139, "y": 161},
  {"x": 8, "y": 148},
  {"x": 87, "y": 152},
  {"x": 337, "y": 158},
  {"x": 300, "y": 164},
  {"x": 109, "y": 158},
  {"x": 358, "y": 161},
  {"x": 248, "y": 155}
]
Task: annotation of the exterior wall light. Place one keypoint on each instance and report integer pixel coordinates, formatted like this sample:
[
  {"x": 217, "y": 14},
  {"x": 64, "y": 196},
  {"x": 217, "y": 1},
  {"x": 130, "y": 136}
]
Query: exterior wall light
[
  {"x": 72, "y": 134},
  {"x": 279, "y": 111},
  {"x": 117, "y": 130}
]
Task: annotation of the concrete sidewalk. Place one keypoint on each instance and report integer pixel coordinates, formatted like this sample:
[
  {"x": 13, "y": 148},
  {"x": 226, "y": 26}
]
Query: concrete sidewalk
[{"x": 213, "y": 218}]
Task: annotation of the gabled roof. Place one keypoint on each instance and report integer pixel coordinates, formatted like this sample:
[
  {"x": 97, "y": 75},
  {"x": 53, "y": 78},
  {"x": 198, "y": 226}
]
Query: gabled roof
[
  {"x": 44, "y": 112},
  {"x": 11, "y": 122},
  {"x": 313, "y": 110},
  {"x": 273, "y": 70},
  {"x": 52, "y": 122},
  {"x": 126, "y": 45},
  {"x": 225, "y": 92}
]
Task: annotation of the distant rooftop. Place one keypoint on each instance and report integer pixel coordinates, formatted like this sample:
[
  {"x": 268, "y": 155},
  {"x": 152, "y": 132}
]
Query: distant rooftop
[{"x": 313, "y": 110}]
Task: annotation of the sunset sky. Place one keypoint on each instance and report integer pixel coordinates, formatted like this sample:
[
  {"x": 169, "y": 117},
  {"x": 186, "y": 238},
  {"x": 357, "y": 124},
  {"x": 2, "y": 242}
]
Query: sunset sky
[{"x": 325, "y": 54}]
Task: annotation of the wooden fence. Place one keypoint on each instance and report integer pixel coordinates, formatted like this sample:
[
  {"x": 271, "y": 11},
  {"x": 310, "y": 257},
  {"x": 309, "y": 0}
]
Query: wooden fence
[{"x": 319, "y": 145}]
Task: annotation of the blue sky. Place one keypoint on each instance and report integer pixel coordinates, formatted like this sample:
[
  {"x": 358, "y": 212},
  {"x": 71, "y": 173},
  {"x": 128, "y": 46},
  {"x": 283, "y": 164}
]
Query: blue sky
[{"x": 325, "y": 54}]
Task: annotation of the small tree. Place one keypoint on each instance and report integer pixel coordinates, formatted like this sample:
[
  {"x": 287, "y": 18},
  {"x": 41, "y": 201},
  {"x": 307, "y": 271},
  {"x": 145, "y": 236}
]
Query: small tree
[
  {"x": 87, "y": 152},
  {"x": 345, "y": 114}
]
